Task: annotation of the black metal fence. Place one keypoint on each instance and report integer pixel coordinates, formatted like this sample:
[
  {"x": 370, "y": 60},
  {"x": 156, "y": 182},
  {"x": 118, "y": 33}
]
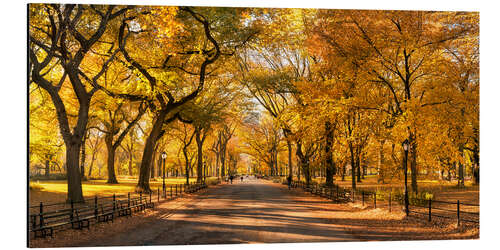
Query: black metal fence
[
  {"x": 44, "y": 218},
  {"x": 459, "y": 211}
]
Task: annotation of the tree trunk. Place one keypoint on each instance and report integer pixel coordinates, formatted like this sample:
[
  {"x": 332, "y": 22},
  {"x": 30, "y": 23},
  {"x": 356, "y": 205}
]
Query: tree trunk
[
  {"x": 152, "y": 170},
  {"x": 199, "y": 167},
  {"x": 184, "y": 151},
  {"x": 75, "y": 193},
  {"x": 111, "y": 160},
  {"x": 353, "y": 166},
  {"x": 223, "y": 160},
  {"x": 307, "y": 172},
  {"x": 343, "y": 172},
  {"x": 304, "y": 163},
  {"x": 330, "y": 165},
  {"x": 475, "y": 164},
  {"x": 47, "y": 168},
  {"x": 298, "y": 170},
  {"x": 147, "y": 156},
  {"x": 130, "y": 159},
  {"x": 92, "y": 161},
  {"x": 461, "y": 177},
  {"x": 413, "y": 161},
  {"x": 380, "y": 163},
  {"x": 94, "y": 153},
  {"x": 217, "y": 163},
  {"x": 82, "y": 159},
  {"x": 290, "y": 168},
  {"x": 475, "y": 173},
  {"x": 278, "y": 170},
  {"x": 358, "y": 167},
  {"x": 191, "y": 169},
  {"x": 461, "y": 182}
]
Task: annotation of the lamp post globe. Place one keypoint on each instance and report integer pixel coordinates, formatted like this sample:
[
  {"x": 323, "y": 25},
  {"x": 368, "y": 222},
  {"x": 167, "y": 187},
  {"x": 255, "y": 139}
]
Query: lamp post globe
[
  {"x": 406, "y": 146},
  {"x": 164, "y": 157}
]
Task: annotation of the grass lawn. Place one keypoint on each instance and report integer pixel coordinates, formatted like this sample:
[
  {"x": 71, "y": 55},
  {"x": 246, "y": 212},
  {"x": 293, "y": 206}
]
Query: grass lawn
[
  {"x": 442, "y": 190},
  {"x": 55, "y": 191}
]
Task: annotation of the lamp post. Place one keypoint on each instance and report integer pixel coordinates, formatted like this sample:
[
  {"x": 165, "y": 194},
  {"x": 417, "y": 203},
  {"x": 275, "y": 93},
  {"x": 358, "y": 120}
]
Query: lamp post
[
  {"x": 405, "y": 166},
  {"x": 164, "y": 157}
]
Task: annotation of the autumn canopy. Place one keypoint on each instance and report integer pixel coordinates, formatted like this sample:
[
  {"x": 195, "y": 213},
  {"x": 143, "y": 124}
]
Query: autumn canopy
[{"x": 224, "y": 91}]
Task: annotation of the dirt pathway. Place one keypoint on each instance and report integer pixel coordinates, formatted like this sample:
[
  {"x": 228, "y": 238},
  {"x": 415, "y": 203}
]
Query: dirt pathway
[
  {"x": 254, "y": 211},
  {"x": 251, "y": 211}
]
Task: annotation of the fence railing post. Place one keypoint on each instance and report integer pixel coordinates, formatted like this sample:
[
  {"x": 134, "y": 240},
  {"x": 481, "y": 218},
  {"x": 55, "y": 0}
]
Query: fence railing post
[
  {"x": 363, "y": 198},
  {"x": 128, "y": 200},
  {"x": 41, "y": 214},
  {"x": 176, "y": 189},
  {"x": 114, "y": 203},
  {"x": 150, "y": 194},
  {"x": 158, "y": 194},
  {"x": 171, "y": 192},
  {"x": 375, "y": 200},
  {"x": 72, "y": 210},
  {"x": 390, "y": 200},
  {"x": 140, "y": 197},
  {"x": 95, "y": 206},
  {"x": 458, "y": 212},
  {"x": 430, "y": 208}
]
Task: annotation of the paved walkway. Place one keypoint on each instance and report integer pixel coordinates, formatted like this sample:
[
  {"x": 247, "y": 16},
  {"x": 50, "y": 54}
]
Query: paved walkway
[{"x": 252, "y": 211}]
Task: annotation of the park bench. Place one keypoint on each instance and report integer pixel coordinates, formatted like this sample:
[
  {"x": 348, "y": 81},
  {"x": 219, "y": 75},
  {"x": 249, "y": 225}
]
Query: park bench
[
  {"x": 49, "y": 221},
  {"x": 43, "y": 224},
  {"x": 321, "y": 192},
  {"x": 150, "y": 204},
  {"x": 54, "y": 219},
  {"x": 137, "y": 205},
  {"x": 316, "y": 190},
  {"x": 81, "y": 221},
  {"x": 189, "y": 188},
  {"x": 107, "y": 213},
  {"x": 124, "y": 209},
  {"x": 198, "y": 187}
]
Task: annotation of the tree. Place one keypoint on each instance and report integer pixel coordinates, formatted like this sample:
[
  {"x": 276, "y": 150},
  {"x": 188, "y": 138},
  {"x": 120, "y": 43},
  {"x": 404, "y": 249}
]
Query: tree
[
  {"x": 185, "y": 54},
  {"x": 262, "y": 141},
  {"x": 94, "y": 147},
  {"x": 62, "y": 39},
  {"x": 208, "y": 110},
  {"x": 186, "y": 136},
  {"x": 395, "y": 50},
  {"x": 115, "y": 127}
]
